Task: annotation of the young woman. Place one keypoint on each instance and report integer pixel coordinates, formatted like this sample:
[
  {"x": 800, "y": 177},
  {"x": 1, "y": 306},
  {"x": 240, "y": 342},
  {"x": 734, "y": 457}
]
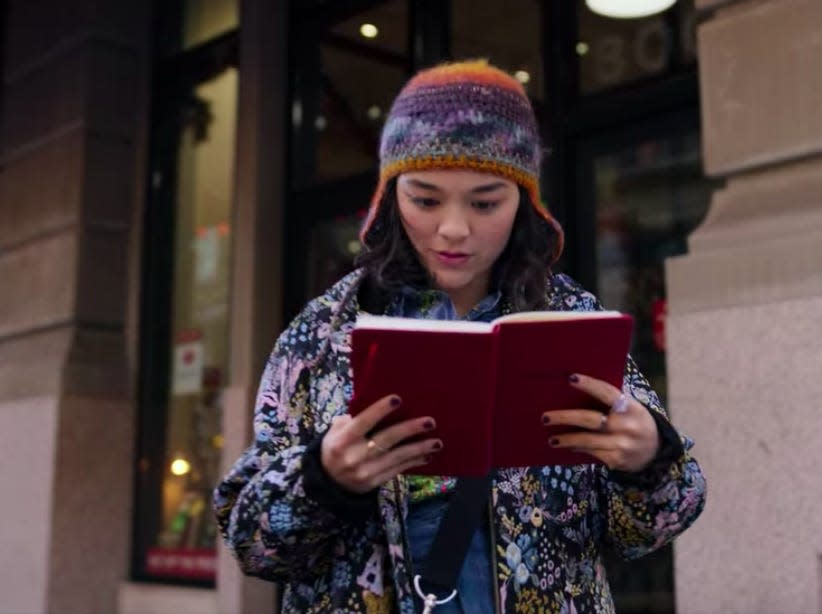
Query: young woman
[{"x": 328, "y": 504}]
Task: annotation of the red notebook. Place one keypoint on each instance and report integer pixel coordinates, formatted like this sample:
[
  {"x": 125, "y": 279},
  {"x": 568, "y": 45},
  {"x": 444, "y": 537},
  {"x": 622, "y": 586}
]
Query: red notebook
[{"x": 487, "y": 384}]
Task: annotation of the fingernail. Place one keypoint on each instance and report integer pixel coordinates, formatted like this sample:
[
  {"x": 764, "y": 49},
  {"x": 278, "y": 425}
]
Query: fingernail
[
  {"x": 573, "y": 378},
  {"x": 395, "y": 402},
  {"x": 437, "y": 445},
  {"x": 428, "y": 425},
  {"x": 546, "y": 419},
  {"x": 554, "y": 442}
]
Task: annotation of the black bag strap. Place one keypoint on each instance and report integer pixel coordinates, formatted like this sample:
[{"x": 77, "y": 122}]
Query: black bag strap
[{"x": 463, "y": 516}]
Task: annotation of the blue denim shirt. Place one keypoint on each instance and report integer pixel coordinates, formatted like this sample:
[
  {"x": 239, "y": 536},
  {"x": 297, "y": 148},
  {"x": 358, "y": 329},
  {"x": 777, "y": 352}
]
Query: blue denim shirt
[{"x": 475, "y": 592}]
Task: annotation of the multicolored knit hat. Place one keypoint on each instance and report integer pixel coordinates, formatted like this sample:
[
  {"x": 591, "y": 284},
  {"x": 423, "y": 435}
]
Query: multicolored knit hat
[{"x": 467, "y": 115}]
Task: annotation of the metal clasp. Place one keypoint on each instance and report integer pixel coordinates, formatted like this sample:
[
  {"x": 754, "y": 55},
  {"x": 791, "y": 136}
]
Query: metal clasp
[{"x": 430, "y": 601}]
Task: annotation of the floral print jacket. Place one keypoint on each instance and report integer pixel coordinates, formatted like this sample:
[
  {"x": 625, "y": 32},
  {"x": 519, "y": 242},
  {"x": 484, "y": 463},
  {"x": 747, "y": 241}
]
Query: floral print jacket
[{"x": 548, "y": 523}]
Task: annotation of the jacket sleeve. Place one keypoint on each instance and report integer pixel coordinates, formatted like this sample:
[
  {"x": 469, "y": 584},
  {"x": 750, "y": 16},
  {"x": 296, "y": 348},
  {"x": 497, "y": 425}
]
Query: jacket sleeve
[
  {"x": 647, "y": 509},
  {"x": 268, "y": 507}
]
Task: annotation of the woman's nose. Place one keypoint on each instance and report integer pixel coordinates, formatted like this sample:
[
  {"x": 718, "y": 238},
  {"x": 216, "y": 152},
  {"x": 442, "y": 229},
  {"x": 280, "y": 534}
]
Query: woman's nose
[{"x": 454, "y": 224}]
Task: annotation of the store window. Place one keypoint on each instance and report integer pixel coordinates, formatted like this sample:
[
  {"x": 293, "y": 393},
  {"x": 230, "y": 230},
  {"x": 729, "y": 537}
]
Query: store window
[
  {"x": 508, "y": 34},
  {"x": 617, "y": 52},
  {"x": 348, "y": 69},
  {"x": 357, "y": 94},
  {"x": 649, "y": 198},
  {"x": 347, "y": 74},
  {"x": 184, "y": 544},
  {"x": 185, "y": 321}
]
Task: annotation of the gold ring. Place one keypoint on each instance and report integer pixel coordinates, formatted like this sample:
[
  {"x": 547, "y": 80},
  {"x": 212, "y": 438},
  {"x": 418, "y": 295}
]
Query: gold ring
[
  {"x": 603, "y": 423},
  {"x": 373, "y": 445}
]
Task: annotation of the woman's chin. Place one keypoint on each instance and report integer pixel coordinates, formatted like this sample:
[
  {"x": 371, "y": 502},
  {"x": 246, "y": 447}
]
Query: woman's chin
[{"x": 452, "y": 282}]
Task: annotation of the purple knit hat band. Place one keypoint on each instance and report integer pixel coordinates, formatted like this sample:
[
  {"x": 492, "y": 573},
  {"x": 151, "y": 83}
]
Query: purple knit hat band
[{"x": 471, "y": 120}]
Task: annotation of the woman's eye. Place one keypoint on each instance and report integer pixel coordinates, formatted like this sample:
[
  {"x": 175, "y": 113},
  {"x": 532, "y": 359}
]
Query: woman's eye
[
  {"x": 484, "y": 205},
  {"x": 424, "y": 202}
]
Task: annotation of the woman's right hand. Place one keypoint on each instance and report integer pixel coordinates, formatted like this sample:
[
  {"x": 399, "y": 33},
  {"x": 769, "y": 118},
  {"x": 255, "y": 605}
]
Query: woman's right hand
[{"x": 359, "y": 467}]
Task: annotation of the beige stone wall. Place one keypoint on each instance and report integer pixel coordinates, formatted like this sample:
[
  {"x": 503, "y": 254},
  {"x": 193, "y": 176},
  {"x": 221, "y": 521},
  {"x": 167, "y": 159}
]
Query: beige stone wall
[
  {"x": 745, "y": 316},
  {"x": 71, "y": 166}
]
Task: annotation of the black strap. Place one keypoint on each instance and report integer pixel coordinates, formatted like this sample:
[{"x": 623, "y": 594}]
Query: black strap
[{"x": 461, "y": 519}]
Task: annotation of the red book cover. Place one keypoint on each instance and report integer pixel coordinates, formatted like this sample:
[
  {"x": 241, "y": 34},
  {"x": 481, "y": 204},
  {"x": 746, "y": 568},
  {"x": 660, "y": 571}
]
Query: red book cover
[{"x": 487, "y": 385}]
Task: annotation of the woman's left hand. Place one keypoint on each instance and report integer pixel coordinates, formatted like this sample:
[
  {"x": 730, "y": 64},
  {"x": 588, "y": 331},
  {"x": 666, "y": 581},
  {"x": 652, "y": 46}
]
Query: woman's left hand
[{"x": 626, "y": 438}]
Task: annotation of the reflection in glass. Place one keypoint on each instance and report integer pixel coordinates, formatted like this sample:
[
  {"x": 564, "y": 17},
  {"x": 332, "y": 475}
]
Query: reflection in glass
[
  {"x": 346, "y": 77},
  {"x": 508, "y": 34},
  {"x": 615, "y": 52},
  {"x": 649, "y": 197},
  {"x": 184, "y": 547},
  {"x": 390, "y": 19},
  {"x": 357, "y": 92},
  {"x": 205, "y": 19},
  {"x": 334, "y": 246}
]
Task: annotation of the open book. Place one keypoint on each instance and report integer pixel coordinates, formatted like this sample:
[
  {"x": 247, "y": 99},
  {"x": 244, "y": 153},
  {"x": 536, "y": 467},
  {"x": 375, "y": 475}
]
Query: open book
[{"x": 488, "y": 384}]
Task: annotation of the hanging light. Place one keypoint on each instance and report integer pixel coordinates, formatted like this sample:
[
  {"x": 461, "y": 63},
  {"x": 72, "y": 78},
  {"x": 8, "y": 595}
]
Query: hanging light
[
  {"x": 374, "y": 112},
  {"x": 180, "y": 466},
  {"x": 369, "y": 30},
  {"x": 628, "y": 9},
  {"x": 522, "y": 76}
]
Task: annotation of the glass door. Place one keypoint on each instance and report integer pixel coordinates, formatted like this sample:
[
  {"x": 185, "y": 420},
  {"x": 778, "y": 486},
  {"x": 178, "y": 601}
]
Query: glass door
[
  {"x": 348, "y": 66},
  {"x": 186, "y": 296}
]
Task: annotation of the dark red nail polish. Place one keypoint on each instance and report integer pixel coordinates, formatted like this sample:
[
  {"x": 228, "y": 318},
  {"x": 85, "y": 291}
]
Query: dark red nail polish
[
  {"x": 428, "y": 425},
  {"x": 428, "y": 458},
  {"x": 573, "y": 378},
  {"x": 437, "y": 445},
  {"x": 554, "y": 442},
  {"x": 395, "y": 402},
  {"x": 546, "y": 420}
]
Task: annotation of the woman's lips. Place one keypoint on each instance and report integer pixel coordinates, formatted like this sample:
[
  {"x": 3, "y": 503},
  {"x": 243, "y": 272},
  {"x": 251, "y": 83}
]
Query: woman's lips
[{"x": 451, "y": 258}]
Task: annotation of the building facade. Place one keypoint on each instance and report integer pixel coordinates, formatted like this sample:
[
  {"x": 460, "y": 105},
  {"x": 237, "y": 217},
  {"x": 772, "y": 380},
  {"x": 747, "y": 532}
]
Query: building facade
[{"x": 178, "y": 178}]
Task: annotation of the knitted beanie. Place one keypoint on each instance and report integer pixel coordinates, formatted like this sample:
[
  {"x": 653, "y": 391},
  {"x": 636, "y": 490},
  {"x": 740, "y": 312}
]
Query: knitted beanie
[{"x": 466, "y": 115}]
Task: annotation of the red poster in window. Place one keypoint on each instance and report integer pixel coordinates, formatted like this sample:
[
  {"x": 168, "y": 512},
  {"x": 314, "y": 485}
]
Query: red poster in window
[
  {"x": 659, "y": 311},
  {"x": 187, "y": 372},
  {"x": 182, "y": 563}
]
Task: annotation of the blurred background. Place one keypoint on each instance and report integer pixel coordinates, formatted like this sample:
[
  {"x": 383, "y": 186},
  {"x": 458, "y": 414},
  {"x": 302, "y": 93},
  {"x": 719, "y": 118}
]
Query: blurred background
[{"x": 178, "y": 178}]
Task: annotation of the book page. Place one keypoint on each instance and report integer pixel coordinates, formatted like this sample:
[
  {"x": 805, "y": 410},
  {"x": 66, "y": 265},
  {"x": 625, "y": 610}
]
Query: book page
[
  {"x": 372, "y": 322},
  {"x": 548, "y": 316}
]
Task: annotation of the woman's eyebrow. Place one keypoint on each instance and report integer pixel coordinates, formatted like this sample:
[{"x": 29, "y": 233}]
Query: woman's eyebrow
[
  {"x": 422, "y": 185},
  {"x": 488, "y": 187},
  {"x": 481, "y": 189}
]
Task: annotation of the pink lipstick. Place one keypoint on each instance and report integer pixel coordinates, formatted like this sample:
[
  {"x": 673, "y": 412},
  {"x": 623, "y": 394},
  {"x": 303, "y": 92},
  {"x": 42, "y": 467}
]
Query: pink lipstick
[{"x": 451, "y": 258}]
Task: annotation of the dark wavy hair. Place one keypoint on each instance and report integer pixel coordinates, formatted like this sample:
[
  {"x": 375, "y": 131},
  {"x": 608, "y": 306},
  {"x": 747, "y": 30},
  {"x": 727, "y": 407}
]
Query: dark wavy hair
[{"x": 520, "y": 272}]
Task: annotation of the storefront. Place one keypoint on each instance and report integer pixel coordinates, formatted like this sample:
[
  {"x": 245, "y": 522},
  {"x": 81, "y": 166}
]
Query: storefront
[
  {"x": 617, "y": 103},
  {"x": 178, "y": 178}
]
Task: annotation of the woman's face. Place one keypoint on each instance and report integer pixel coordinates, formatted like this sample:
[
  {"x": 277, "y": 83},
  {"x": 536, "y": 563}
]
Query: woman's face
[{"x": 459, "y": 222}]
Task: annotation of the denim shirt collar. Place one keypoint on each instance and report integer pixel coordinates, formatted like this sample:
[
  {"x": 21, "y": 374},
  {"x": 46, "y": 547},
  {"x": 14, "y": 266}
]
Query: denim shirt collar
[{"x": 432, "y": 304}]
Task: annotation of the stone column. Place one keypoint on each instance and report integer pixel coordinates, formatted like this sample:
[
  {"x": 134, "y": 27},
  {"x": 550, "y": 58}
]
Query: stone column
[
  {"x": 745, "y": 315},
  {"x": 72, "y": 121}
]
